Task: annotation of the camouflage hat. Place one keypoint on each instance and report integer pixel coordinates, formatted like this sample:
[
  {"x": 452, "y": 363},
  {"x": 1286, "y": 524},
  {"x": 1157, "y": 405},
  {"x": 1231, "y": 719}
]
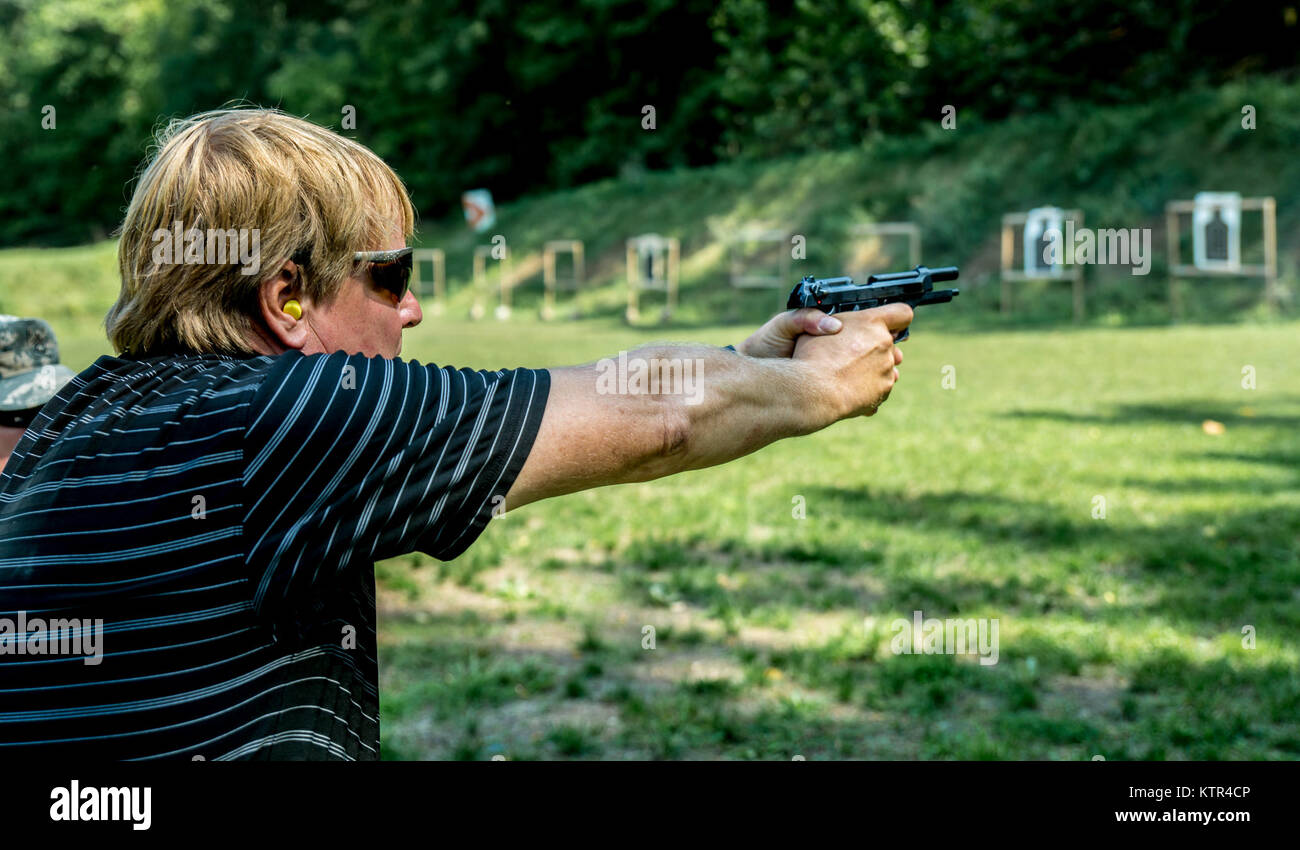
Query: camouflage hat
[{"x": 30, "y": 373}]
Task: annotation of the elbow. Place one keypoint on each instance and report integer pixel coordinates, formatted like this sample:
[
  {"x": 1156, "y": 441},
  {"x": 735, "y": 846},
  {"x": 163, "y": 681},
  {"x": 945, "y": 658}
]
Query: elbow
[
  {"x": 667, "y": 447},
  {"x": 675, "y": 430}
]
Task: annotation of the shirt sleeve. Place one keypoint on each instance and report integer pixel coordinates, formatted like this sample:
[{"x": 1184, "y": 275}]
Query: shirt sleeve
[{"x": 351, "y": 459}]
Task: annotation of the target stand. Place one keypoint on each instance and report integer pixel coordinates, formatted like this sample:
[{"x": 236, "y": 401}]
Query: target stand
[
  {"x": 653, "y": 263},
  {"x": 550, "y": 250},
  {"x": 752, "y": 264},
  {"x": 436, "y": 286},
  {"x": 481, "y": 255},
  {"x": 1032, "y": 228},
  {"x": 1216, "y": 242}
]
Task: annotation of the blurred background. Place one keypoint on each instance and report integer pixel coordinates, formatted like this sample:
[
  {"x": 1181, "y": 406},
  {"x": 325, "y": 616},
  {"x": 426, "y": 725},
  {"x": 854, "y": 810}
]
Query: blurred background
[{"x": 1164, "y": 625}]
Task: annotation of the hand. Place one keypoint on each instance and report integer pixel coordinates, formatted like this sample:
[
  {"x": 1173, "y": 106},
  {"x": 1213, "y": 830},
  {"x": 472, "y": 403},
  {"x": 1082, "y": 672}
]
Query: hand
[
  {"x": 857, "y": 367},
  {"x": 777, "y": 337}
]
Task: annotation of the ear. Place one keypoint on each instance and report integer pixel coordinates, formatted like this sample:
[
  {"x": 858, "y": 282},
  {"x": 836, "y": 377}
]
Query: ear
[{"x": 274, "y": 292}]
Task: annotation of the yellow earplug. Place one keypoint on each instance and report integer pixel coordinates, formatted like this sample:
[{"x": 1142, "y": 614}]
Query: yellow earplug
[{"x": 293, "y": 308}]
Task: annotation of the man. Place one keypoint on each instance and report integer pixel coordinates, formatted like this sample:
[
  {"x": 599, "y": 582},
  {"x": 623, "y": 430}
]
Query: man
[
  {"x": 30, "y": 375},
  {"x": 219, "y": 492}
]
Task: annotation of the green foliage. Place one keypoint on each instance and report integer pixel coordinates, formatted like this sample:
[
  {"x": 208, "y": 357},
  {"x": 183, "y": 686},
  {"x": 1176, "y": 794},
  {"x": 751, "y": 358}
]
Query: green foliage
[{"x": 522, "y": 97}]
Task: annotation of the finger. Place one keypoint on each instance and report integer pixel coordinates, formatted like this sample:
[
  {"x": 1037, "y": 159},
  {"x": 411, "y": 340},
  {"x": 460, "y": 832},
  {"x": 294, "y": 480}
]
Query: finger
[
  {"x": 896, "y": 376},
  {"x": 808, "y": 320},
  {"x": 895, "y": 316},
  {"x": 898, "y": 356}
]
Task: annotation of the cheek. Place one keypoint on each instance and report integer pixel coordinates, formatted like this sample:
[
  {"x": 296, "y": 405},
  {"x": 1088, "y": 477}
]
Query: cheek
[
  {"x": 392, "y": 319},
  {"x": 383, "y": 325}
]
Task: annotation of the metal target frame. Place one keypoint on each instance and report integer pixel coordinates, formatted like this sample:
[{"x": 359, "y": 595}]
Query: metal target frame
[
  {"x": 550, "y": 282},
  {"x": 1011, "y": 222},
  {"x": 1267, "y": 207},
  {"x": 665, "y": 266}
]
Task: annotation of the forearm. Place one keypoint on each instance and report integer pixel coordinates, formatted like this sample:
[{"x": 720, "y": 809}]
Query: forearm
[
  {"x": 662, "y": 409},
  {"x": 737, "y": 405}
]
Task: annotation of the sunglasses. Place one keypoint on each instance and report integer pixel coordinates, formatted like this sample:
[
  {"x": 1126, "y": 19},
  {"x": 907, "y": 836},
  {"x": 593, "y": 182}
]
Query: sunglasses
[{"x": 389, "y": 270}]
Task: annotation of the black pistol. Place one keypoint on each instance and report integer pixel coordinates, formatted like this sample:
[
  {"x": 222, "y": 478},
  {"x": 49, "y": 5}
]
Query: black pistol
[{"x": 842, "y": 295}]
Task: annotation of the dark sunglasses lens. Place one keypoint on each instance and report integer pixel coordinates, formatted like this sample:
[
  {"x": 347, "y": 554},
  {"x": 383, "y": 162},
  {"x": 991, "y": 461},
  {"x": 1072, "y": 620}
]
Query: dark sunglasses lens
[{"x": 394, "y": 277}]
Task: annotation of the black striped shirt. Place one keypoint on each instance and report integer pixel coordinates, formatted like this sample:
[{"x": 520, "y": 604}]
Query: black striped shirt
[{"x": 222, "y": 517}]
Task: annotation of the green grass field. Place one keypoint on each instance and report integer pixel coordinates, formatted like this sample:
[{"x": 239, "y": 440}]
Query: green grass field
[{"x": 1119, "y": 636}]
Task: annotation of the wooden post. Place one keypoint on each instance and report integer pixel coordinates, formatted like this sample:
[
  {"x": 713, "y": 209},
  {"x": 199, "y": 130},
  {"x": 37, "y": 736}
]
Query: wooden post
[
  {"x": 480, "y": 282},
  {"x": 1077, "y": 284},
  {"x": 674, "y": 261},
  {"x": 1269, "y": 208},
  {"x": 579, "y": 267},
  {"x": 1172, "y": 238},
  {"x": 503, "y": 269},
  {"x": 1008, "y": 250},
  {"x": 632, "y": 272},
  {"x": 439, "y": 279},
  {"x": 548, "y": 283}
]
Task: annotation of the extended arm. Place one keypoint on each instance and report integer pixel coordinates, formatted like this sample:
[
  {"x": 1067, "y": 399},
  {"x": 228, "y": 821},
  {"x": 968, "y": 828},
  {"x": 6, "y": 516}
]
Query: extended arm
[{"x": 592, "y": 434}]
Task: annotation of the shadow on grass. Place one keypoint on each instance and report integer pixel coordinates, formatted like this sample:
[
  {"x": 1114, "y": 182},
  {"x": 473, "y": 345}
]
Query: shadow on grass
[
  {"x": 1204, "y": 569},
  {"x": 1212, "y": 485},
  {"x": 1203, "y": 572},
  {"x": 1204, "y": 565},
  {"x": 1285, "y": 459},
  {"x": 1190, "y": 412},
  {"x": 850, "y": 697}
]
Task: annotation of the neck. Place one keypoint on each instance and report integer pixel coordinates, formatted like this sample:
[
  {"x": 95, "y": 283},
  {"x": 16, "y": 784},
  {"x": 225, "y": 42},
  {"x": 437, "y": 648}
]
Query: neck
[{"x": 263, "y": 341}]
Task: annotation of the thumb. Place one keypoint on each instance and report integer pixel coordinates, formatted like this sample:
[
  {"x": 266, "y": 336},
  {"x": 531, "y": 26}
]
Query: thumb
[
  {"x": 808, "y": 320},
  {"x": 895, "y": 316}
]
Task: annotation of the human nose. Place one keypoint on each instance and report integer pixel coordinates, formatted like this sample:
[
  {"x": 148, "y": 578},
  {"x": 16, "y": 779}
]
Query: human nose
[{"x": 410, "y": 310}]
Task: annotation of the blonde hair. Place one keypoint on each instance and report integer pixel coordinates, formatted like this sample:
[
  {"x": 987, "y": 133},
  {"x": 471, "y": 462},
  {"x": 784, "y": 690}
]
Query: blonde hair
[{"x": 303, "y": 187}]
